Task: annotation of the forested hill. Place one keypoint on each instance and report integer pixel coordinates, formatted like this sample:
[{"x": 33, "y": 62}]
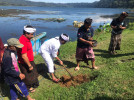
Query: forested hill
[
  {"x": 18, "y": 3},
  {"x": 30, "y": 3},
  {"x": 115, "y": 4},
  {"x": 99, "y": 4}
]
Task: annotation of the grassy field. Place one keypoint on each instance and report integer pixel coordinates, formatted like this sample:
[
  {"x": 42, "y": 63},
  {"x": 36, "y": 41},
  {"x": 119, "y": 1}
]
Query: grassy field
[{"x": 115, "y": 79}]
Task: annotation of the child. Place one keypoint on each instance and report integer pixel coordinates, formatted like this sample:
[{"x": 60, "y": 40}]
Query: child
[{"x": 11, "y": 71}]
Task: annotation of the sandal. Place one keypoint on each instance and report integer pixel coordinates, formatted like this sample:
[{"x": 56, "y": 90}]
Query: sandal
[
  {"x": 56, "y": 80},
  {"x": 32, "y": 90},
  {"x": 77, "y": 68}
]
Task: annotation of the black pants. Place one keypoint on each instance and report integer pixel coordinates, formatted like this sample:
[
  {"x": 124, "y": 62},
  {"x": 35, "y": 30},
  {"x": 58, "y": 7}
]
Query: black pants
[{"x": 1, "y": 74}]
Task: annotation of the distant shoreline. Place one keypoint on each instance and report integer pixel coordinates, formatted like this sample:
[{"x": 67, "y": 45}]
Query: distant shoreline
[
  {"x": 130, "y": 17},
  {"x": 13, "y": 12},
  {"x": 17, "y": 12}
]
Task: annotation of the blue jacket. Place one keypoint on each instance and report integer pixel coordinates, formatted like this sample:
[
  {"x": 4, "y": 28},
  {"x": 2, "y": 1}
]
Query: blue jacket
[{"x": 10, "y": 74}]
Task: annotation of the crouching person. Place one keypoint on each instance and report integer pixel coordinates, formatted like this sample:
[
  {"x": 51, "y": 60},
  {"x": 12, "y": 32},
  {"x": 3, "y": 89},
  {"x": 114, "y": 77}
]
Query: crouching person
[
  {"x": 11, "y": 71},
  {"x": 49, "y": 50}
]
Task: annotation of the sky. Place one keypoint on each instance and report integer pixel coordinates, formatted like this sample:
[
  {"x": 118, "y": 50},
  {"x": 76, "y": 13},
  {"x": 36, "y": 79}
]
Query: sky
[{"x": 65, "y": 1}]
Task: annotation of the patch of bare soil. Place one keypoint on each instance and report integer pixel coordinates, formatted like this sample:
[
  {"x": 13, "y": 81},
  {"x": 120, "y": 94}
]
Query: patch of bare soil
[{"x": 67, "y": 81}]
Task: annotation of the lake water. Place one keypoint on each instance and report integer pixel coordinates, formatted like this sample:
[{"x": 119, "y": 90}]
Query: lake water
[{"x": 13, "y": 26}]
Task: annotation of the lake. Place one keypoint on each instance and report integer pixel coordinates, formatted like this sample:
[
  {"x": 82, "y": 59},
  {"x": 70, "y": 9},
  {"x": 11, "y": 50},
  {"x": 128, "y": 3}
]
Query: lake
[{"x": 13, "y": 26}]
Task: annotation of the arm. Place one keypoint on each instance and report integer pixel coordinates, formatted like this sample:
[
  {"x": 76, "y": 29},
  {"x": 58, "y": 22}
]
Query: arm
[
  {"x": 55, "y": 52},
  {"x": 122, "y": 27},
  {"x": 113, "y": 24},
  {"x": 24, "y": 54},
  {"x": 59, "y": 60},
  {"x": 1, "y": 56},
  {"x": 26, "y": 60},
  {"x": 85, "y": 41},
  {"x": 113, "y": 27}
]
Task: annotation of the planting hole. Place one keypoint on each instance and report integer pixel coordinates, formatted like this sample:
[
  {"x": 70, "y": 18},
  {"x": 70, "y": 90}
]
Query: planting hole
[{"x": 67, "y": 81}]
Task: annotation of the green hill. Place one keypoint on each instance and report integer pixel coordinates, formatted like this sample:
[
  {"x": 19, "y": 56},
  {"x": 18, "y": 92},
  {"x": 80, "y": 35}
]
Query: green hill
[
  {"x": 114, "y": 4},
  {"x": 98, "y": 4}
]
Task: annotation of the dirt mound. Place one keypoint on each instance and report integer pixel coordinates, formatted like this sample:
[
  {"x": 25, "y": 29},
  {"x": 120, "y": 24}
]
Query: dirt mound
[{"x": 67, "y": 81}]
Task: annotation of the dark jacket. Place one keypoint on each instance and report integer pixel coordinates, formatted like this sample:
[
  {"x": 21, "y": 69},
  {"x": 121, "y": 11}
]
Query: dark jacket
[
  {"x": 84, "y": 34},
  {"x": 117, "y": 22},
  {"x": 10, "y": 74}
]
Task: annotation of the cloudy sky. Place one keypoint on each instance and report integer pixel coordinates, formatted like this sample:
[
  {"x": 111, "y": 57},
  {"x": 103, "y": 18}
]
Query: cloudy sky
[{"x": 65, "y": 1}]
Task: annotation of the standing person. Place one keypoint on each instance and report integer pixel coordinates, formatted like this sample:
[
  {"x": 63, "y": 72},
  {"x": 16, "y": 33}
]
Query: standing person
[
  {"x": 11, "y": 71},
  {"x": 1, "y": 56},
  {"x": 26, "y": 59},
  {"x": 49, "y": 50},
  {"x": 117, "y": 25},
  {"x": 84, "y": 51}
]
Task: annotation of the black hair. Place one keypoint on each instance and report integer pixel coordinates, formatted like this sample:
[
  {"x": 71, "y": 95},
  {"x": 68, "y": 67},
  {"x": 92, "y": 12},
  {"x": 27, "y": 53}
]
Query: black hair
[
  {"x": 62, "y": 38},
  {"x": 88, "y": 21},
  {"x": 27, "y": 26},
  {"x": 124, "y": 14}
]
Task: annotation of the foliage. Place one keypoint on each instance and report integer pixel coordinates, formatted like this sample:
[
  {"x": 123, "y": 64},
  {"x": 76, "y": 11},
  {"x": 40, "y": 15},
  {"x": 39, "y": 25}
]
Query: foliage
[
  {"x": 103, "y": 29},
  {"x": 131, "y": 25},
  {"x": 115, "y": 4}
]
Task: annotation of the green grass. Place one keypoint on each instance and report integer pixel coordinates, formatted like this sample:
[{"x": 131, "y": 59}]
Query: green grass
[{"x": 115, "y": 75}]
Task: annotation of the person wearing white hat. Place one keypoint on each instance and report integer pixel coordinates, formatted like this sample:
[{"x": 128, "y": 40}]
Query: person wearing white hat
[
  {"x": 5, "y": 46},
  {"x": 49, "y": 50},
  {"x": 26, "y": 59}
]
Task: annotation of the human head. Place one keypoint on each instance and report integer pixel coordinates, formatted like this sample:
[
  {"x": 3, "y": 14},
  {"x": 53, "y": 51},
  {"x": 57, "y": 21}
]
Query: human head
[
  {"x": 123, "y": 15},
  {"x": 64, "y": 38},
  {"x": 87, "y": 23},
  {"x": 14, "y": 43},
  {"x": 28, "y": 31},
  {"x": 6, "y": 45}
]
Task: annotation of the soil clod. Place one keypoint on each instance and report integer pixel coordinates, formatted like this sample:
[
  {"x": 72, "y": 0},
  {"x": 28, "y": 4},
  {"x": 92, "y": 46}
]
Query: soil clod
[{"x": 66, "y": 81}]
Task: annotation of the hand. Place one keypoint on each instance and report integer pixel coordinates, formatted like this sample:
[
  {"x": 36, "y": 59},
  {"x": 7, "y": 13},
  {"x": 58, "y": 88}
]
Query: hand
[
  {"x": 120, "y": 27},
  {"x": 114, "y": 27},
  {"x": 91, "y": 38},
  {"x": 90, "y": 43},
  {"x": 61, "y": 62},
  {"x": 31, "y": 68},
  {"x": 22, "y": 76}
]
